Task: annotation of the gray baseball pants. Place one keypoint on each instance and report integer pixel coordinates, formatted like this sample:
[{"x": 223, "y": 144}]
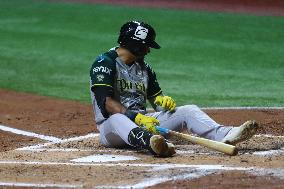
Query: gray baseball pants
[{"x": 115, "y": 130}]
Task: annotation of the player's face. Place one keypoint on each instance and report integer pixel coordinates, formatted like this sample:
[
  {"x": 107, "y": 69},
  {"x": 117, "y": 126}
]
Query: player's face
[{"x": 144, "y": 51}]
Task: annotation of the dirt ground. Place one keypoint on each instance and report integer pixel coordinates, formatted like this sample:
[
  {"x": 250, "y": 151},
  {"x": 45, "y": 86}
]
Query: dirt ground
[{"x": 66, "y": 119}]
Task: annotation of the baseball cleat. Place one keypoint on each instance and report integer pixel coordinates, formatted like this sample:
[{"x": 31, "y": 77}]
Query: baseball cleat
[
  {"x": 241, "y": 133},
  {"x": 171, "y": 150},
  {"x": 160, "y": 147}
]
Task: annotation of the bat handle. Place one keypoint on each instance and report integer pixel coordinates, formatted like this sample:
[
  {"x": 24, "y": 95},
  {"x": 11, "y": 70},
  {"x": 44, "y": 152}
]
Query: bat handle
[{"x": 162, "y": 130}]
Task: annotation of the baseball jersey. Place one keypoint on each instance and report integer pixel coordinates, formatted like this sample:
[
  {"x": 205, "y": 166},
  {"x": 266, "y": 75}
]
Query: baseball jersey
[{"x": 131, "y": 84}]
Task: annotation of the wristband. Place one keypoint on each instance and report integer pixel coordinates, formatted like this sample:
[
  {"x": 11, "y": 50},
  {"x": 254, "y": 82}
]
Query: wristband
[{"x": 131, "y": 115}]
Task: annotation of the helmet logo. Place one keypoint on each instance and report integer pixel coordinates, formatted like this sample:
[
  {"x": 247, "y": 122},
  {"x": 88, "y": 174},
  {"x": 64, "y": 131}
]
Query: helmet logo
[{"x": 140, "y": 33}]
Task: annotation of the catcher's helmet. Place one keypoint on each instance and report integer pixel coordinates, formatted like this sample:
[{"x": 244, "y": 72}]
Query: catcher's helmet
[{"x": 136, "y": 35}]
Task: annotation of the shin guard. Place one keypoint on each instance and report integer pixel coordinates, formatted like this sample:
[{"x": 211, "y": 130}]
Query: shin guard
[{"x": 140, "y": 138}]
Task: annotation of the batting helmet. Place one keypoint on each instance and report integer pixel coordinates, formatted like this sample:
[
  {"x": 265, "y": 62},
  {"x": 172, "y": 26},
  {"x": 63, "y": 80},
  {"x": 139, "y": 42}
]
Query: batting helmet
[{"x": 135, "y": 36}]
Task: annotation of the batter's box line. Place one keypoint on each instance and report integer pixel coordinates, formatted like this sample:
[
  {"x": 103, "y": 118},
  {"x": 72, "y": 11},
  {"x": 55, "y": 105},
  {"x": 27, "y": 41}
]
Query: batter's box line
[
  {"x": 157, "y": 180},
  {"x": 269, "y": 136},
  {"x": 39, "y": 185},
  {"x": 158, "y": 167},
  {"x": 38, "y": 146},
  {"x": 99, "y": 151},
  {"x": 53, "y": 140},
  {"x": 29, "y": 134}
]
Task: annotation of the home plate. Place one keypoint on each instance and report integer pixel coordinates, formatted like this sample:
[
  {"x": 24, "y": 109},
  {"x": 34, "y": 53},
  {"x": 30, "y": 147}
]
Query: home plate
[{"x": 103, "y": 158}]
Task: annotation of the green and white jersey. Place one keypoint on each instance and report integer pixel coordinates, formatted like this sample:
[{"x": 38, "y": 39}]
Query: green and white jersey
[{"x": 131, "y": 85}]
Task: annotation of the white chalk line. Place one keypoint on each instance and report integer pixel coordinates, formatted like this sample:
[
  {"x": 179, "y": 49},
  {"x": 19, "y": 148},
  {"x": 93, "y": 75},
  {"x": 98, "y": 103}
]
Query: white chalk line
[
  {"x": 113, "y": 150},
  {"x": 25, "y": 184},
  {"x": 157, "y": 180},
  {"x": 56, "y": 150},
  {"x": 30, "y": 134},
  {"x": 91, "y": 135},
  {"x": 145, "y": 183},
  {"x": 104, "y": 158},
  {"x": 99, "y": 151},
  {"x": 278, "y": 172},
  {"x": 54, "y": 140},
  {"x": 200, "y": 170},
  {"x": 270, "y": 152},
  {"x": 40, "y": 147},
  {"x": 193, "y": 175},
  {"x": 269, "y": 136},
  {"x": 196, "y": 171},
  {"x": 258, "y": 153},
  {"x": 154, "y": 166},
  {"x": 93, "y": 150}
]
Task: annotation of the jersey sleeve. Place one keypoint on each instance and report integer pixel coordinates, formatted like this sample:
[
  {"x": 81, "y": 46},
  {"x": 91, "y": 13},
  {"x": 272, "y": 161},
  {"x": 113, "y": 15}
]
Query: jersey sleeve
[
  {"x": 153, "y": 89},
  {"x": 102, "y": 72}
]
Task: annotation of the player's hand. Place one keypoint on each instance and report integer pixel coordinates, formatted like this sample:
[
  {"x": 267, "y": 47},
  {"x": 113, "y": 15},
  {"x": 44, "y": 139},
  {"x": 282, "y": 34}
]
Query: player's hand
[
  {"x": 147, "y": 122},
  {"x": 166, "y": 102}
]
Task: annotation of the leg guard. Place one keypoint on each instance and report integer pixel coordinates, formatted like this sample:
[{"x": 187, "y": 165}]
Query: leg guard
[
  {"x": 140, "y": 138},
  {"x": 156, "y": 144}
]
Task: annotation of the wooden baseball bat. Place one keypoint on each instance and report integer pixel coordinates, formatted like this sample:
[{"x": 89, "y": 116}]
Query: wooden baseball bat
[{"x": 215, "y": 145}]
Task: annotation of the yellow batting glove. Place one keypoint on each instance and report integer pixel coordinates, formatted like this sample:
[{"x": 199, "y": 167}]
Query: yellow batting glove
[
  {"x": 166, "y": 102},
  {"x": 148, "y": 122}
]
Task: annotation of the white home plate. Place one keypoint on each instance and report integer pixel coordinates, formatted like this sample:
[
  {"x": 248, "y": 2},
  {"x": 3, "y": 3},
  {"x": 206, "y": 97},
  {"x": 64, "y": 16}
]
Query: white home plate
[{"x": 104, "y": 158}]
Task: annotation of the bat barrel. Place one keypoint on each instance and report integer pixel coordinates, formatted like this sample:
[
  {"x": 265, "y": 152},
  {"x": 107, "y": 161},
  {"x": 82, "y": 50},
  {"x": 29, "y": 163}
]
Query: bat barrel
[{"x": 215, "y": 145}]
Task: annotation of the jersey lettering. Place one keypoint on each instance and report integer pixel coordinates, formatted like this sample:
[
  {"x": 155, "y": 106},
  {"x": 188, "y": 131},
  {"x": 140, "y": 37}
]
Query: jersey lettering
[
  {"x": 140, "y": 86},
  {"x": 127, "y": 85},
  {"x": 102, "y": 69}
]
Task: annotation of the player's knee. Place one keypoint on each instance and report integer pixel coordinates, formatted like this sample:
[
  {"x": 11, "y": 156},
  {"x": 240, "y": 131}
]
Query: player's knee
[
  {"x": 119, "y": 118},
  {"x": 115, "y": 117}
]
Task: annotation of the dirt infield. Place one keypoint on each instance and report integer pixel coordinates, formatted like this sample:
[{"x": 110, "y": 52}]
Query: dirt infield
[{"x": 73, "y": 158}]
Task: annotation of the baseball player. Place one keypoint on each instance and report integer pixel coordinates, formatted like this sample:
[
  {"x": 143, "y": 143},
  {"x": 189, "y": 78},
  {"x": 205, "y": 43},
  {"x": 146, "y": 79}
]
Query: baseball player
[{"x": 121, "y": 82}]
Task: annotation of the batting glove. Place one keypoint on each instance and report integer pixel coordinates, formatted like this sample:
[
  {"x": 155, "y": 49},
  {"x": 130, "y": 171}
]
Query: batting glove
[
  {"x": 166, "y": 102},
  {"x": 147, "y": 122}
]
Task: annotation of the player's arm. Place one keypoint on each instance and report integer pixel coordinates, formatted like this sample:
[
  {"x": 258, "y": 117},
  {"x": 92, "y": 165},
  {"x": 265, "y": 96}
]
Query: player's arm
[
  {"x": 155, "y": 96},
  {"x": 153, "y": 89},
  {"x": 113, "y": 107},
  {"x": 102, "y": 77},
  {"x": 156, "y": 107},
  {"x": 167, "y": 103},
  {"x": 162, "y": 103},
  {"x": 105, "y": 101},
  {"x": 109, "y": 106}
]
